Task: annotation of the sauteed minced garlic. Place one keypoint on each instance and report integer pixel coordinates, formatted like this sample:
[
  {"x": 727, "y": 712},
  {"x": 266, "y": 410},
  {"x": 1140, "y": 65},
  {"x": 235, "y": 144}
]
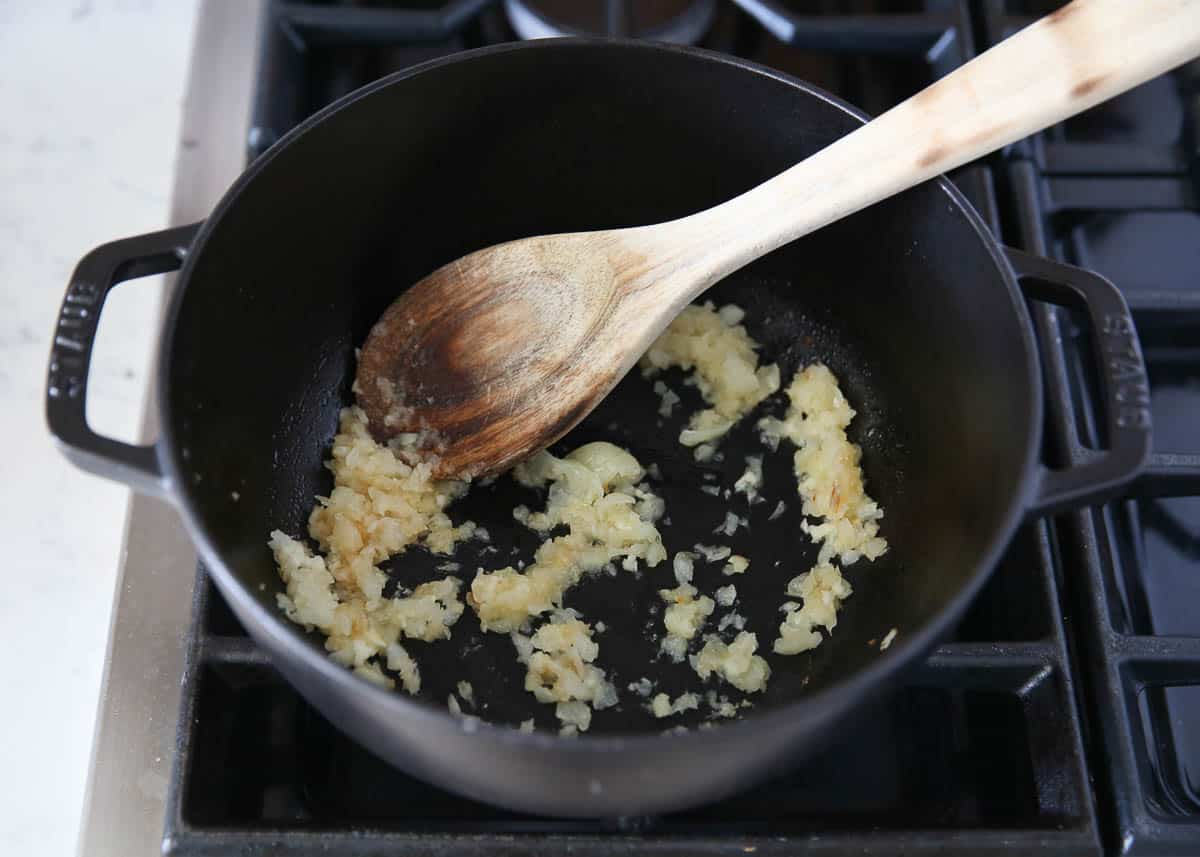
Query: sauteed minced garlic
[
  {"x": 830, "y": 482},
  {"x": 713, "y": 345},
  {"x": 597, "y": 493},
  {"x": 385, "y": 500}
]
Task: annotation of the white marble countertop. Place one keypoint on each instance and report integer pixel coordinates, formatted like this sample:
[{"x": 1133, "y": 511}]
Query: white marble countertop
[{"x": 90, "y": 94}]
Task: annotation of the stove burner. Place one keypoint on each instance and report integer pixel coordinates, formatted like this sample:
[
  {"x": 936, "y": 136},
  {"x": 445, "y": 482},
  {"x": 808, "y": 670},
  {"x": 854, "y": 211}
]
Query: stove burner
[{"x": 683, "y": 22}]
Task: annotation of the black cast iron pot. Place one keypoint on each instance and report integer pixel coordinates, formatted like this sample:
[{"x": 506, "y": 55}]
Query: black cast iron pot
[{"x": 912, "y": 303}]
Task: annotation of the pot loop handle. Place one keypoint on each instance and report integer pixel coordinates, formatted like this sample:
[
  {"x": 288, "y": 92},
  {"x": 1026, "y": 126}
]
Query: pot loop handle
[
  {"x": 71, "y": 354},
  {"x": 1102, "y": 474}
]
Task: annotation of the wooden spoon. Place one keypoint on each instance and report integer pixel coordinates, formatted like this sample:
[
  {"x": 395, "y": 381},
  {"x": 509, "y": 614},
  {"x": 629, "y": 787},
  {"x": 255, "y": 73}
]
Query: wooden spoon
[{"x": 500, "y": 353}]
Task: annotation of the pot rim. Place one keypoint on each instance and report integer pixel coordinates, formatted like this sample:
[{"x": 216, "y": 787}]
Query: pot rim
[{"x": 277, "y": 633}]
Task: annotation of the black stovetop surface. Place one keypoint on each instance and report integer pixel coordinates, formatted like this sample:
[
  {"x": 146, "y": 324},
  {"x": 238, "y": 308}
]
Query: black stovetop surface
[{"x": 1062, "y": 717}]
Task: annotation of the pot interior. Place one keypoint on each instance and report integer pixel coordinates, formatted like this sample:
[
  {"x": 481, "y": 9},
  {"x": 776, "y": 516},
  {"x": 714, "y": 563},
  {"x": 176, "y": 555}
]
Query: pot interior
[{"x": 905, "y": 302}]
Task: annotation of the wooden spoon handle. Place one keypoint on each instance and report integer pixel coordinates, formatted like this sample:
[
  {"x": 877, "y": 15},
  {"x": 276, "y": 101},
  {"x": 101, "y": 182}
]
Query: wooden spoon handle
[{"x": 1084, "y": 53}]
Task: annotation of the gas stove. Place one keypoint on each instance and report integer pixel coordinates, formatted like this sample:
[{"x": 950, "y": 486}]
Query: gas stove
[{"x": 1063, "y": 716}]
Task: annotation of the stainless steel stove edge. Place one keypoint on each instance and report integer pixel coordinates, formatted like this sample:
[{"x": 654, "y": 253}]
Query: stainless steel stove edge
[{"x": 124, "y": 803}]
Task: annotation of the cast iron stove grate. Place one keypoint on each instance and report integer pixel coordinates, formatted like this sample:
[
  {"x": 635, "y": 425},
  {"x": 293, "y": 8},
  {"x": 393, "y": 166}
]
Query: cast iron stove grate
[
  {"x": 981, "y": 752},
  {"x": 1117, "y": 192}
]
